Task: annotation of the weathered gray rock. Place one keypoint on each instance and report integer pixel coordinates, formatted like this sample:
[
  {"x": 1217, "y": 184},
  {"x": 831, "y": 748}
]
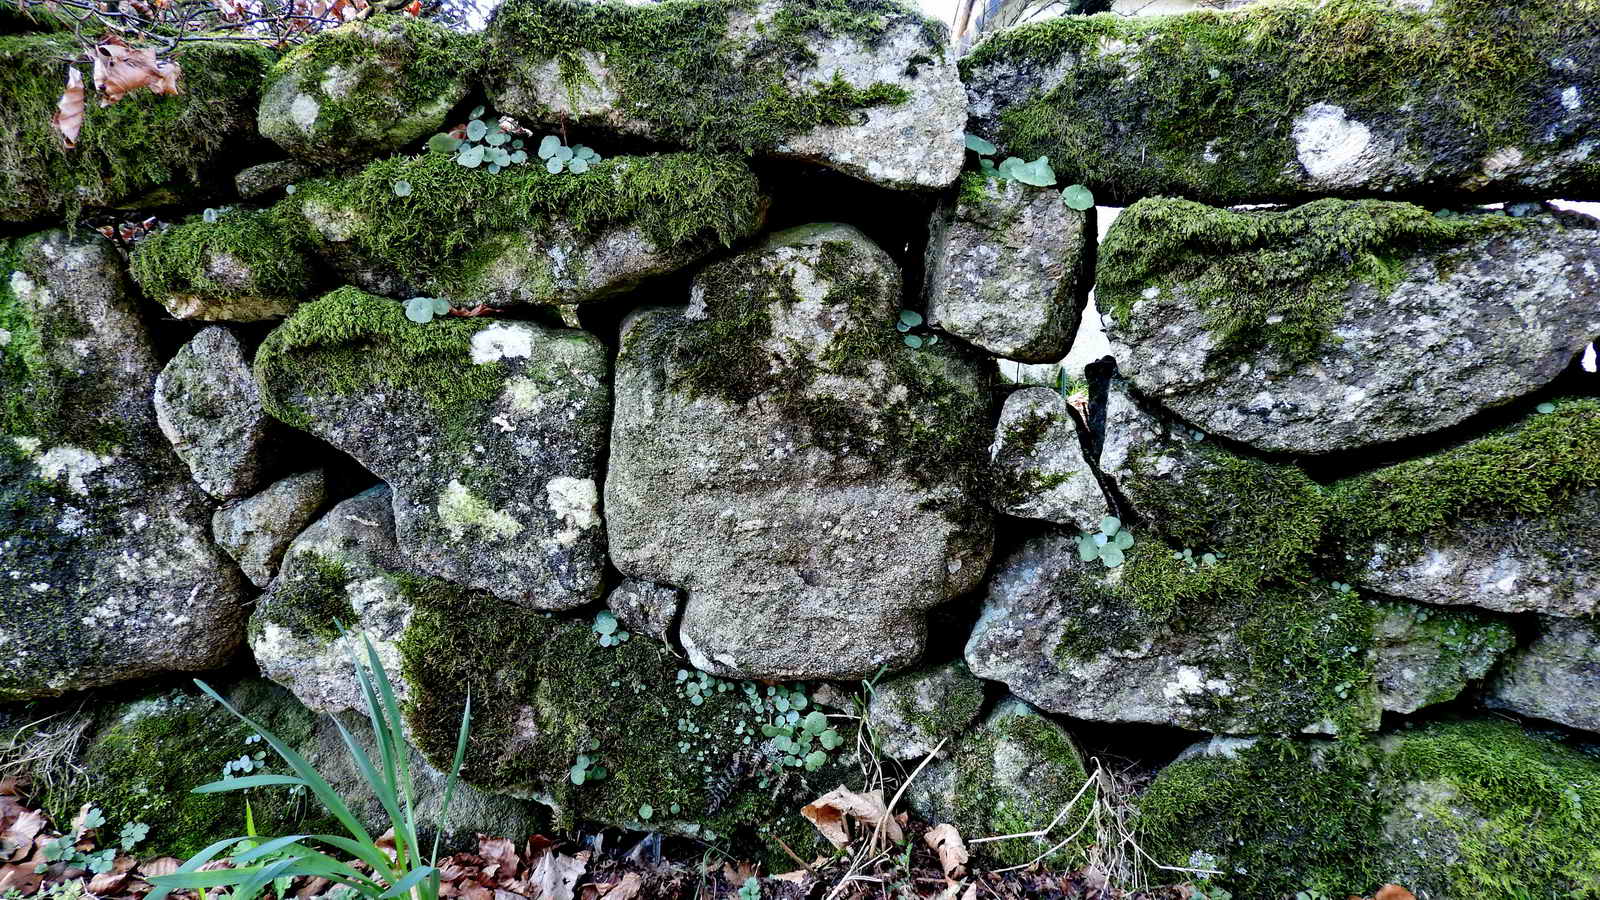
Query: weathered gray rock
[
  {"x": 107, "y": 569},
  {"x": 1008, "y": 268},
  {"x": 1340, "y": 325},
  {"x": 780, "y": 454},
  {"x": 1198, "y": 106},
  {"x": 366, "y": 88},
  {"x": 269, "y": 178},
  {"x": 1557, "y": 677},
  {"x": 207, "y": 405},
  {"x": 257, "y": 530},
  {"x": 490, "y": 433},
  {"x": 872, "y": 94},
  {"x": 646, "y": 608},
  {"x": 1015, "y": 773},
  {"x": 1037, "y": 466},
  {"x": 1426, "y": 655},
  {"x": 912, "y": 713},
  {"x": 344, "y": 569},
  {"x": 244, "y": 265}
]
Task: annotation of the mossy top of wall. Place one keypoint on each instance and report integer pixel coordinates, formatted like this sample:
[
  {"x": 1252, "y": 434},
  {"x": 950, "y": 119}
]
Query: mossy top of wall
[
  {"x": 678, "y": 71},
  {"x": 1204, "y": 104},
  {"x": 137, "y": 144},
  {"x": 243, "y": 252}
]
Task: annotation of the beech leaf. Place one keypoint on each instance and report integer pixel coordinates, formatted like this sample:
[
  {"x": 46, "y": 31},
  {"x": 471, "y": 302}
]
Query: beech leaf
[
  {"x": 829, "y": 814},
  {"x": 946, "y": 841},
  {"x": 68, "y": 120},
  {"x": 120, "y": 69}
]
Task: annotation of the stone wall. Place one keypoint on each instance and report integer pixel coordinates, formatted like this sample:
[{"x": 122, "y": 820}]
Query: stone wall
[{"x": 662, "y": 453}]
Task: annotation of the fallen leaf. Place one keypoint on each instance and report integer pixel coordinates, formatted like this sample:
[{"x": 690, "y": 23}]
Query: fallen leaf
[
  {"x": 19, "y": 876},
  {"x": 68, "y": 119},
  {"x": 414, "y": 8},
  {"x": 17, "y": 841},
  {"x": 315, "y": 886},
  {"x": 164, "y": 865},
  {"x": 476, "y": 891},
  {"x": 738, "y": 874},
  {"x": 385, "y": 842},
  {"x": 507, "y": 895},
  {"x": 626, "y": 889},
  {"x": 107, "y": 882},
  {"x": 501, "y": 852},
  {"x": 1394, "y": 892},
  {"x": 798, "y": 876},
  {"x": 557, "y": 875},
  {"x": 120, "y": 69},
  {"x": 952, "y": 850},
  {"x": 829, "y": 813},
  {"x": 972, "y": 892}
]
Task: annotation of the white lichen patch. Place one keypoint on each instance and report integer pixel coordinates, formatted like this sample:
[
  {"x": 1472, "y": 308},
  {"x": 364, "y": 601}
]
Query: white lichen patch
[
  {"x": 1330, "y": 145},
  {"x": 525, "y": 395},
  {"x": 1571, "y": 99},
  {"x": 1191, "y": 681},
  {"x": 576, "y": 502},
  {"x": 461, "y": 511},
  {"x": 5, "y": 338},
  {"x": 303, "y": 111},
  {"x": 72, "y": 462},
  {"x": 499, "y": 342}
]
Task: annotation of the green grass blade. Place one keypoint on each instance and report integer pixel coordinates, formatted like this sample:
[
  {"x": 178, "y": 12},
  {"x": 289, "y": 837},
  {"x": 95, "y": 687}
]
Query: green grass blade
[
  {"x": 363, "y": 762},
  {"x": 194, "y": 862},
  {"x": 246, "y": 781},
  {"x": 367, "y": 853},
  {"x": 188, "y": 881},
  {"x": 266, "y": 849},
  {"x": 455, "y": 773},
  {"x": 407, "y": 883},
  {"x": 389, "y": 747},
  {"x": 250, "y": 887},
  {"x": 397, "y": 734}
]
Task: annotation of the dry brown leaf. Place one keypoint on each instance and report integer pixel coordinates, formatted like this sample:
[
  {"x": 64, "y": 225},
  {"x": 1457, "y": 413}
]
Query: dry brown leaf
[
  {"x": 829, "y": 813},
  {"x": 508, "y": 895},
  {"x": 798, "y": 876},
  {"x": 972, "y": 892},
  {"x": 19, "y": 876},
  {"x": 68, "y": 118},
  {"x": 738, "y": 874},
  {"x": 17, "y": 841},
  {"x": 120, "y": 69},
  {"x": 1393, "y": 892},
  {"x": 556, "y": 876},
  {"x": 314, "y": 886},
  {"x": 475, "y": 891},
  {"x": 500, "y": 852},
  {"x": 626, "y": 889},
  {"x": 164, "y": 865},
  {"x": 946, "y": 841},
  {"x": 107, "y": 882}
]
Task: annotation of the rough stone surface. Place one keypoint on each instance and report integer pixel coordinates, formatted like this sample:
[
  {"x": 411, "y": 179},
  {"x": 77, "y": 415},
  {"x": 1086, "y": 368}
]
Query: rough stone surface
[
  {"x": 1008, "y": 268},
  {"x": 646, "y": 608},
  {"x": 109, "y": 569},
  {"x": 914, "y": 143},
  {"x": 1557, "y": 677},
  {"x": 1037, "y": 469},
  {"x": 1459, "y": 330},
  {"x": 810, "y": 483},
  {"x": 1426, "y": 655},
  {"x": 242, "y": 265},
  {"x": 268, "y": 179},
  {"x": 207, "y": 405},
  {"x": 490, "y": 433},
  {"x": 365, "y": 89},
  {"x": 257, "y": 530},
  {"x": 1199, "y": 106},
  {"x": 912, "y": 713}
]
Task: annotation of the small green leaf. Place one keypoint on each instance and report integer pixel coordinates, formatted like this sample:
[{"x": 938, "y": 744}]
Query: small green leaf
[
  {"x": 402, "y": 188},
  {"x": 554, "y": 166},
  {"x": 986, "y": 166},
  {"x": 578, "y": 774},
  {"x": 913, "y": 341},
  {"x": 815, "y": 760},
  {"x": 980, "y": 146},
  {"x": 578, "y": 165},
  {"x": 420, "y": 310},
  {"x": 495, "y": 168},
  {"x": 477, "y": 113},
  {"x": 646, "y": 811},
  {"x": 1123, "y": 540},
  {"x": 1077, "y": 197},
  {"x": 1546, "y": 408},
  {"x": 564, "y": 153},
  {"x": 476, "y": 130},
  {"x": 496, "y": 138},
  {"x": 443, "y": 143},
  {"x": 605, "y": 622},
  {"x": 584, "y": 152},
  {"x": 1111, "y": 555},
  {"x": 440, "y": 306},
  {"x": 910, "y": 317},
  {"x": 1110, "y": 524},
  {"x": 472, "y": 157},
  {"x": 830, "y": 739},
  {"x": 1037, "y": 173},
  {"x": 549, "y": 146},
  {"x": 815, "y": 723},
  {"x": 519, "y": 157},
  {"x": 1087, "y": 550}
]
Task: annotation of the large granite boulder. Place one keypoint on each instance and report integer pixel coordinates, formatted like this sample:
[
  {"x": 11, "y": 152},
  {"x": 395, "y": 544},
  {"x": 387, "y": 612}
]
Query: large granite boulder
[
  {"x": 109, "y": 572},
  {"x": 912, "y": 713},
  {"x": 257, "y": 530},
  {"x": 783, "y": 456},
  {"x": 870, "y": 90},
  {"x": 367, "y": 88},
  {"x": 1342, "y": 324},
  {"x": 490, "y": 433},
  {"x": 142, "y": 150},
  {"x": 240, "y": 266},
  {"x": 1288, "y": 101},
  {"x": 1503, "y": 522},
  {"x": 1556, "y": 677},
  {"x": 207, "y": 405},
  {"x": 1009, "y": 268},
  {"x": 523, "y": 236}
]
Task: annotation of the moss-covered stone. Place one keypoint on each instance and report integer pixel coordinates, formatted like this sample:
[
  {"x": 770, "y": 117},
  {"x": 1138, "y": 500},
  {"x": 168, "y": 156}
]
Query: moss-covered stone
[
  {"x": 913, "y": 713},
  {"x": 367, "y": 88},
  {"x": 138, "y": 144},
  {"x": 244, "y": 266},
  {"x": 1288, "y": 100}
]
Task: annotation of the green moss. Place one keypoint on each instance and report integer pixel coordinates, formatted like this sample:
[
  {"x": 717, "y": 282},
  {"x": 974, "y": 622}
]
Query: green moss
[
  {"x": 675, "y": 68},
  {"x": 349, "y": 342},
  {"x": 175, "y": 260},
  {"x": 947, "y": 710},
  {"x": 139, "y": 143},
  {"x": 1528, "y": 469},
  {"x": 143, "y": 764},
  {"x": 1230, "y": 86},
  {"x": 1465, "y": 639},
  {"x": 1012, "y": 481},
  {"x": 1271, "y": 279},
  {"x": 444, "y": 231},
  {"x": 316, "y": 601}
]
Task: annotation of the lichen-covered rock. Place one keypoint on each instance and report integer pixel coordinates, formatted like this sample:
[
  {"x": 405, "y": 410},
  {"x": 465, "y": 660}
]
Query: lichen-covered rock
[
  {"x": 1037, "y": 468},
  {"x": 1557, "y": 677},
  {"x": 257, "y": 530},
  {"x": 259, "y": 181},
  {"x": 142, "y": 148},
  {"x": 1453, "y": 809},
  {"x": 490, "y": 433},
  {"x": 912, "y": 713},
  {"x": 779, "y": 453},
  {"x": 207, "y": 405},
  {"x": 1017, "y": 773},
  {"x": 524, "y": 236},
  {"x": 1008, "y": 268},
  {"x": 865, "y": 88},
  {"x": 1285, "y": 101},
  {"x": 1426, "y": 655},
  {"x": 1503, "y": 522},
  {"x": 367, "y": 88},
  {"x": 1342, "y": 324},
  {"x": 243, "y": 266},
  {"x": 107, "y": 569},
  {"x": 646, "y": 608}
]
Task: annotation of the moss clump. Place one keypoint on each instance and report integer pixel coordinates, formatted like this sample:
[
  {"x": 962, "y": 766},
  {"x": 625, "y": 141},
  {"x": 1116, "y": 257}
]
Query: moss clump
[
  {"x": 141, "y": 142},
  {"x": 349, "y": 342},
  {"x": 1528, "y": 469},
  {"x": 143, "y": 764},
  {"x": 676, "y": 69},
  {"x": 1271, "y": 279},
  {"x": 180, "y": 260},
  {"x": 315, "y": 601},
  {"x": 434, "y": 235},
  {"x": 1467, "y": 642},
  {"x": 1229, "y": 86}
]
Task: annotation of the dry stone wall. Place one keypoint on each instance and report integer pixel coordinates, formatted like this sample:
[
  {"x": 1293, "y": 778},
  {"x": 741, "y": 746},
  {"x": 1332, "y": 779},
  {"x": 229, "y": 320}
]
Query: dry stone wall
[{"x": 663, "y": 442}]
